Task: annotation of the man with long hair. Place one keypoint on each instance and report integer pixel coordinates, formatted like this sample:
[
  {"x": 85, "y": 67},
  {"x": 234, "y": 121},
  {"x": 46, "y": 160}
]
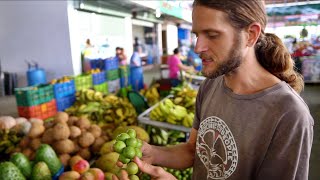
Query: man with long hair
[{"x": 250, "y": 122}]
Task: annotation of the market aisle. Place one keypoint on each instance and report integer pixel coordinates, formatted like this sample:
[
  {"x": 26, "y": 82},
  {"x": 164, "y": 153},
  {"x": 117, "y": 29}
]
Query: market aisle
[{"x": 311, "y": 95}]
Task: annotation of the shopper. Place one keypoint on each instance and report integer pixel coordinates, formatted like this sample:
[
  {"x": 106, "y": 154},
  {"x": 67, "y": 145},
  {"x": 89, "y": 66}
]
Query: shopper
[
  {"x": 175, "y": 65},
  {"x": 121, "y": 55},
  {"x": 250, "y": 122},
  {"x": 136, "y": 71}
]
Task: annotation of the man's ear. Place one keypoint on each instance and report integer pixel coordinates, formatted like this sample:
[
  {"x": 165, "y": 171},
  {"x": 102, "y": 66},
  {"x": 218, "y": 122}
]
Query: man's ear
[{"x": 253, "y": 30}]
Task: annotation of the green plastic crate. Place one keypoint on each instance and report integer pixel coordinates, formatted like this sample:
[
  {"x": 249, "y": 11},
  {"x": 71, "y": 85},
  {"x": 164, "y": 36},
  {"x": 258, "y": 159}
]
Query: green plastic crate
[
  {"x": 112, "y": 74},
  {"x": 124, "y": 71},
  {"x": 34, "y": 95},
  {"x": 103, "y": 87},
  {"x": 83, "y": 81}
]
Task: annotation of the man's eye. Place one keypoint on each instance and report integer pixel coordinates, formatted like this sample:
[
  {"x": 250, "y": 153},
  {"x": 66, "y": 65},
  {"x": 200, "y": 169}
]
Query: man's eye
[{"x": 212, "y": 36}]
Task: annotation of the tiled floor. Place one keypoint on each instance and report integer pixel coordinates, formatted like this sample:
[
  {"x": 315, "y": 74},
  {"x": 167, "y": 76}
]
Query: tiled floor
[{"x": 311, "y": 95}]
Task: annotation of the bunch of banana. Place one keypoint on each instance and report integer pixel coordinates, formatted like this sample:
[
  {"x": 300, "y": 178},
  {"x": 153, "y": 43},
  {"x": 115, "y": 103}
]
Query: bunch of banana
[
  {"x": 187, "y": 121},
  {"x": 103, "y": 109},
  {"x": 167, "y": 111},
  {"x": 185, "y": 96},
  {"x": 9, "y": 140},
  {"x": 86, "y": 95},
  {"x": 151, "y": 94},
  {"x": 160, "y": 136}
]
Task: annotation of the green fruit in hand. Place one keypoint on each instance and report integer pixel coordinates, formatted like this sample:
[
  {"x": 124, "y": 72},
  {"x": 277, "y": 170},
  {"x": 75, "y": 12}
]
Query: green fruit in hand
[
  {"x": 139, "y": 143},
  {"x": 118, "y": 146},
  {"x": 133, "y": 177},
  {"x": 129, "y": 152},
  {"x": 138, "y": 152},
  {"x": 122, "y": 137},
  {"x": 132, "y": 133},
  {"x": 132, "y": 168},
  {"x": 131, "y": 142},
  {"x": 123, "y": 159}
]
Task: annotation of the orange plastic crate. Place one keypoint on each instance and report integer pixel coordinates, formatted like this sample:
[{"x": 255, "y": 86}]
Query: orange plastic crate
[{"x": 42, "y": 111}]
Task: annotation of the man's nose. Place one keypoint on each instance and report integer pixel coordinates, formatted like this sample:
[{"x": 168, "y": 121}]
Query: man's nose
[{"x": 201, "y": 45}]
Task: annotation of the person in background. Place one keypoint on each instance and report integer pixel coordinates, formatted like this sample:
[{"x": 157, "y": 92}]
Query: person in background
[
  {"x": 175, "y": 65},
  {"x": 250, "y": 121},
  {"x": 193, "y": 59},
  {"x": 136, "y": 70},
  {"x": 121, "y": 55},
  {"x": 86, "y": 55}
]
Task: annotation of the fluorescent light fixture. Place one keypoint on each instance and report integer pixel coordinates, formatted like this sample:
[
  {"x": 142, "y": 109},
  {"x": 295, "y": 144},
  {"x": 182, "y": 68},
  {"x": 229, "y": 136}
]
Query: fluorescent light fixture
[
  {"x": 158, "y": 13},
  {"x": 292, "y": 4},
  {"x": 81, "y": 5}
]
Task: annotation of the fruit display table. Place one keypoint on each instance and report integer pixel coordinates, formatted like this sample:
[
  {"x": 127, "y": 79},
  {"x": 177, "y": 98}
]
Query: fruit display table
[{"x": 144, "y": 118}]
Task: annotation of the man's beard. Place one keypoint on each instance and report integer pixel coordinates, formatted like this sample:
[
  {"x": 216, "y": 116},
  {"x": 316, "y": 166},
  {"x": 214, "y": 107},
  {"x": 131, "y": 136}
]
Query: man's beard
[{"x": 232, "y": 62}]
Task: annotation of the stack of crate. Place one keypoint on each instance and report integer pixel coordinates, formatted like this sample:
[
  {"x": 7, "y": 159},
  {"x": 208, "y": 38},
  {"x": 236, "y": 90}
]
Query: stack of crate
[
  {"x": 36, "y": 101},
  {"x": 64, "y": 92},
  {"x": 99, "y": 82},
  {"x": 112, "y": 74},
  {"x": 83, "y": 81}
]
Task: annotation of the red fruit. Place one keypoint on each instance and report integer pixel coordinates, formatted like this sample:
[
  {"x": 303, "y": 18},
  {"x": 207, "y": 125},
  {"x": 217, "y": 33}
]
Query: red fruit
[
  {"x": 81, "y": 166},
  {"x": 98, "y": 173}
]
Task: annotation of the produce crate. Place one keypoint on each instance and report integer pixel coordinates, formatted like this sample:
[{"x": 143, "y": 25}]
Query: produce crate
[
  {"x": 112, "y": 74},
  {"x": 42, "y": 111},
  {"x": 65, "y": 102},
  {"x": 64, "y": 89},
  {"x": 97, "y": 64},
  {"x": 34, "y": 95},
  {"x": 83, "y": 81},
  {"x": 99, "y": 78},
  {"x": 114, "y": 86},
  {"x": 103, "y": 87},
  {"x": 144, "y": 118},
  {"x": 111, "y": 63},
  {"x": 124, "y": 71}
]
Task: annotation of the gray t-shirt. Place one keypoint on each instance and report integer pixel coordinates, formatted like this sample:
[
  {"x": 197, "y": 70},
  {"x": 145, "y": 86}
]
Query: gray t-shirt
[{"x": 266, "y": 135}]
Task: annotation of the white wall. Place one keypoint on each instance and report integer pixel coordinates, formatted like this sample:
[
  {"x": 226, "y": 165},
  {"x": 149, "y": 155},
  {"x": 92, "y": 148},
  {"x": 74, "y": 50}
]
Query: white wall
[{"x": 36, "y": 30}]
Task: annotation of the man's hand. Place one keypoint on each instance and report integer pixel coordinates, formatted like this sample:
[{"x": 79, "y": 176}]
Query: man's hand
[{"x": 155, "y": 172}]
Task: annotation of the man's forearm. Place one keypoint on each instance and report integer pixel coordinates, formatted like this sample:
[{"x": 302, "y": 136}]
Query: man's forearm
[{"x": 179, "y": 156}]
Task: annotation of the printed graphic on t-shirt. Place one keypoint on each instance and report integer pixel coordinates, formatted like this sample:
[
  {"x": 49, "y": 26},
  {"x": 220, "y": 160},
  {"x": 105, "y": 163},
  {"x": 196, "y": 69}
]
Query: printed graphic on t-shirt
[{"x": 216, "y": 148}]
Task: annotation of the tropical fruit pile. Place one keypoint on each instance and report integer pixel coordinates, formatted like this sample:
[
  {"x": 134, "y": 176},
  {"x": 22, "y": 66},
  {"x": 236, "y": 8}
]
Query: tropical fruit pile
[
  {"x": 46, "y": 165},
  {"x": 103, "y": 109},
  {"x": 151, "y": 94},
  {"x": 128, "y": 146},
  {"x": 68, "y": 135},
  {"x": 184, "y": 96},
  {"x": 171, "y": 113},
  {"x": 80, "y": 169}
]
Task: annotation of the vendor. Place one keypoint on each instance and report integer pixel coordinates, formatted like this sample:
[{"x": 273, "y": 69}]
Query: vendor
[{"x": 175, "y": 65}]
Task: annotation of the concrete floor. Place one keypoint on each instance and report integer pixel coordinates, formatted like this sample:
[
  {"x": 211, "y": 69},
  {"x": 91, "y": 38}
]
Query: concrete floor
[{"x": 311, "y": 95}]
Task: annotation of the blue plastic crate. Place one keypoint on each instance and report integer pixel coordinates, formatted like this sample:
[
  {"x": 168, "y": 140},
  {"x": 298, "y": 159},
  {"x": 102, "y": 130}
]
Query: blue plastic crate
[
  {"x": 111, "y": 63},
  {"x": 96, "y": 64},
  {"x": 65, "y": 102},
  {"x": 99, "y": 78},
  {"x": 64, "y": 89}
]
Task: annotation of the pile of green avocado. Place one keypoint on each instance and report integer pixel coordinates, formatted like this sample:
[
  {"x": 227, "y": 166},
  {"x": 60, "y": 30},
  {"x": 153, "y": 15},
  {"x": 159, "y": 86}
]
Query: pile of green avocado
[{"x": 45, "y": 165}]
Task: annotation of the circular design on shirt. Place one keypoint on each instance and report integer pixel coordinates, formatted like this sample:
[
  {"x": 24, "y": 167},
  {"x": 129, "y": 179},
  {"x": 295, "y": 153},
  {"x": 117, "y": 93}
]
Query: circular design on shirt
[{"x": 216, "y": 148}]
